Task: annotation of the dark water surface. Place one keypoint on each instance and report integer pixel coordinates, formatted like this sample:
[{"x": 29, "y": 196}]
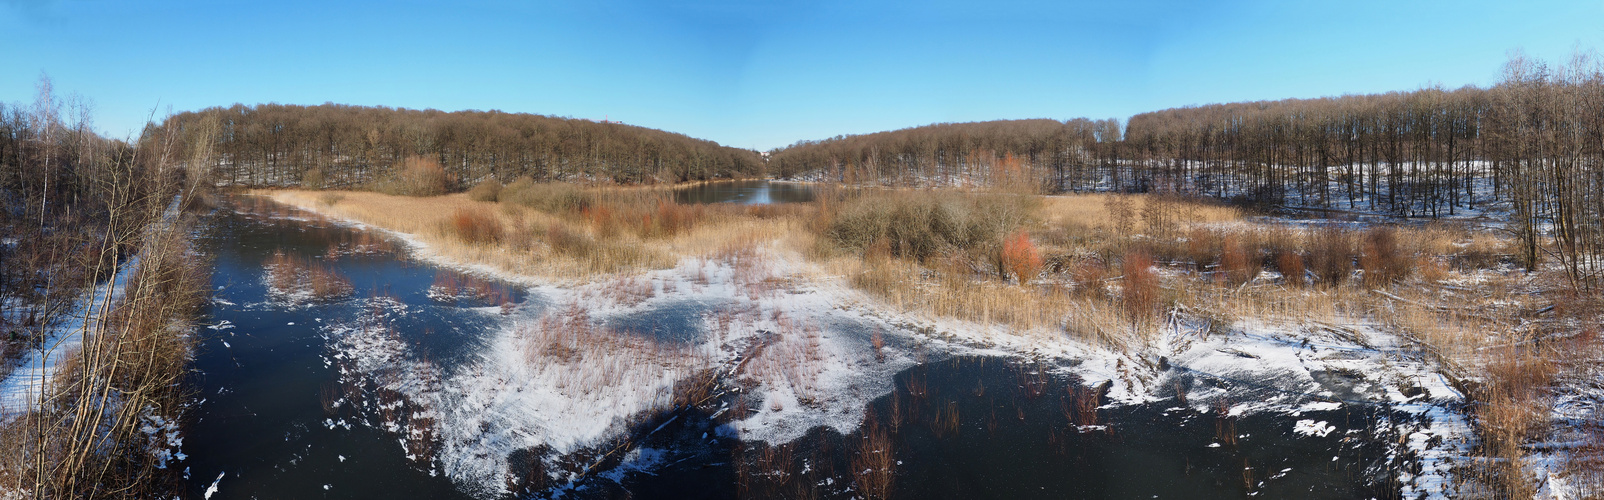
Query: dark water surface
[
  {"x": 962, "y": 427},
  {"x": 262, "y": 377},
  {"x": 994, "y": 428},
  {"x": 756, "y": 192}
]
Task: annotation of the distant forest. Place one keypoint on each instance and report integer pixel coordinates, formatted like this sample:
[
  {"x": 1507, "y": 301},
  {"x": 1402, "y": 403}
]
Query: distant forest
[
  {"x": 349, "y": 146},
  {"x": 1531, "y": 146}
]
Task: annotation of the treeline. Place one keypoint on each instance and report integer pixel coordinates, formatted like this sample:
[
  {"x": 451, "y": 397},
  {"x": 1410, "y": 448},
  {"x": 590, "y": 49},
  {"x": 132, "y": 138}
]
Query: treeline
[
  {"x": 76, "y": 211},
  {"x": 1530, "y": 148},
  {"x": 349, "y": 146},
  {"x": 1079, "y": 154}
]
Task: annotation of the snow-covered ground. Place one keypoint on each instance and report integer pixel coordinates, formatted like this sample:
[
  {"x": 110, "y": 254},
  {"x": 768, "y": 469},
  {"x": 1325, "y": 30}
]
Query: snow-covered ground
[{"x": 20, "y": 391}]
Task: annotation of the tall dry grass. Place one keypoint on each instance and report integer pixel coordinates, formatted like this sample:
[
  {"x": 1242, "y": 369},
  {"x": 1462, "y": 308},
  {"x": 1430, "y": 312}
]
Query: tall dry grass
[
  {"x": 582, "y": 359},
  {"x": 793, "y": 358},
  {"x": 1122, "y": 213},
  {"x": 564, "y": 231}
]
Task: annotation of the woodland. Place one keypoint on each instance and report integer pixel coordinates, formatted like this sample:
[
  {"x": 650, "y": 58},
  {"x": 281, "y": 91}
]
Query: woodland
[
  {"x": 337, "y": 146},
  {"x": 1532, "y": 145}
]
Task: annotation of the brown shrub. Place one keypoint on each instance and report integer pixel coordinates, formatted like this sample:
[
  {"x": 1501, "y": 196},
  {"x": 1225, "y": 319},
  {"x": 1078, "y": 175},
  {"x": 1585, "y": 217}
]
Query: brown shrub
[
  {"x": 487, "y": 190},
  {"x": 475, "y": 226},
  {"x": 1140, "y": 293},
  {"x": 1290, "y": 265},
  {"x": 1432, "y": 270},
  {"x": 1088, "y": 275},
  {"x": 1020, "y": 258},
  {"x": 1383, "y": 261},
  {"x": 417, "y": 176},
  {"x": 670, "y": 218},
  {"x": 1202, "y": 248},
  {"x": 1238, "y": 261},
  {"x": 918, "y": 225},
  {"x": 1331, "y": 255}
]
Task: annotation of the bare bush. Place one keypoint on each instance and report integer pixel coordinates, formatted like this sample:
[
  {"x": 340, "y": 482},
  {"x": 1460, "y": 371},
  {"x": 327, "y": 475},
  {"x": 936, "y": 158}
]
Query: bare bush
[
  {"x": 486, "y": 190},
  {"x": 1331, "y": 255},
  {"x": 1290, "y": 264},
  {"x": 1020, "y": 258},
  {"x": 550, "y": 197},
  {"x": 918, "y": 225},
  {"x": 1383, "y": 261},
  {"x": 1140, "y": 292},
  {"x": 1238, "y": 261},
  {"x": 417, "y": 176},
  {"x": 475, "y": 226}
]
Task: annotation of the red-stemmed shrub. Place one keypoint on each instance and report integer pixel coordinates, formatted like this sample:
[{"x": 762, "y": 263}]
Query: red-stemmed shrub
[{"x": 1020, "y": 258}]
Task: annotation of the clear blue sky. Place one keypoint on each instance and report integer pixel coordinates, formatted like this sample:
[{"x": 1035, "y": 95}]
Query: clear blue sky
[{"x": 766, "y": 74}]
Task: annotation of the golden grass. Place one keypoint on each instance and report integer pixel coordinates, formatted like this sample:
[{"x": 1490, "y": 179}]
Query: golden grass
[
  {"x": 559, "y": 246},
  {"x": 576, "y": 245}
]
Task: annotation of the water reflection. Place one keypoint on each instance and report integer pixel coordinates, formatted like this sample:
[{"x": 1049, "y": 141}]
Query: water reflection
[{"x": 758, "y": 192}]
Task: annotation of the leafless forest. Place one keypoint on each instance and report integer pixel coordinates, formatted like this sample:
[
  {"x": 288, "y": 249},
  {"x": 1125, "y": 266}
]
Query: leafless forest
[
  {"x": 1531, "y": 146},
  {"x": 338, "y": 146}
]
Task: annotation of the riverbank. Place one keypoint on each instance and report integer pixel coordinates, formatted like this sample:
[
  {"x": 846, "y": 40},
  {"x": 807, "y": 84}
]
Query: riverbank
[
  {"x": 97, "y": 410},
  {"x": 1263, "y": 344}
]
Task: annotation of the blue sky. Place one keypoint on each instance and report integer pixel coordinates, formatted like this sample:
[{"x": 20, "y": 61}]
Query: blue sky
[{"x": 765, "y": 74}]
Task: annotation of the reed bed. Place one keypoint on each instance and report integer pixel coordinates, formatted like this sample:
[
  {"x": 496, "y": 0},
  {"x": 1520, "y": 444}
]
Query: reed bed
[
  {"x": 582, "y": 359},
  {"x": 793, "y": 359},
  {"x": 559, "y": 231}
]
